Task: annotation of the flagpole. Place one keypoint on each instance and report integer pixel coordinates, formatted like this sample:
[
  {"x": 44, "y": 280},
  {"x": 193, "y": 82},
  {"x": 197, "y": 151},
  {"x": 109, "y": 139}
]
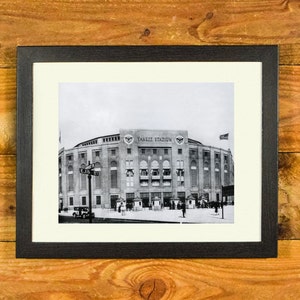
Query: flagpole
[{"x": 223, "y": 137}]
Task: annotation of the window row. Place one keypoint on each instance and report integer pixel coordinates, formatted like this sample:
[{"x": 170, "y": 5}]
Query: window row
[
  {"x": 84, "y": 200},
  {"x": 158, "y": 151},
  {"x": 113, "y": 152},
  {"x": 111, "y": 139}
]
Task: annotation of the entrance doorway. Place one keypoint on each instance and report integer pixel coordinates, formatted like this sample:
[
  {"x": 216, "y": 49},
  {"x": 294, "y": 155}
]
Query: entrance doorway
[{"x": 113, "y": 201}]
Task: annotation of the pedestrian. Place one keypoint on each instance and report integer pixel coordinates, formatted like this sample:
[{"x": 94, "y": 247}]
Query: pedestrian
[
  {"x": 216, "y": 207},
  {"x": 123, "y": 209},
  {"x": 183, "y": 207}
]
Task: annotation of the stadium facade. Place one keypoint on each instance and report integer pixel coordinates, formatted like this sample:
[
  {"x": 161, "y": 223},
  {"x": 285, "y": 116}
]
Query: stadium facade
[{"x": 144, "y": 169}]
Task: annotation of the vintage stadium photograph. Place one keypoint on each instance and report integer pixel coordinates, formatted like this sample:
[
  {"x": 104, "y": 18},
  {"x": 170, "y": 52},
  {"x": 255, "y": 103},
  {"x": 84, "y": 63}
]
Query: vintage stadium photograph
[{"x": 146, "y": 152}]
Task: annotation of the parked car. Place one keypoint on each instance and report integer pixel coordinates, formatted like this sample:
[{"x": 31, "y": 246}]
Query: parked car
[{"x": 82, "y": 212}]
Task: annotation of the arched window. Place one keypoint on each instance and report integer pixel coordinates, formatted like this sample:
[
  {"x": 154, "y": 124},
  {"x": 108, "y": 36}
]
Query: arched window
[
  {"x": 144, "y": 173},
  {"x": 155, "y": 168},
  {"x": 166, "y": 168},
  {"x": 113, "y": 174},
  {"x": 129, "y": 177},
  {"x": 166, "y": 164},
  {"x": 143, "y": 165},
  {"x": 154, "y": 164}
]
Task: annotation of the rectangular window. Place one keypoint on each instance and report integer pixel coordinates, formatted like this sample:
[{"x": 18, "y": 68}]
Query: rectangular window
[
  {"x": 180, "y": 177},
  {"x": 71, "y": 201},
  {"x": 144, "y": 183},
  {"x": 82, "y": 155},
  {"x": 98, "y": 181},
  {"x": 97, "y": 153},
  {"x": 129, "y": 164},
  {"x": 114, "y": 178},
  {"x": 128, "y": 150},
  {"x": 155, "y": 183},
  {"x": 83, "y": 181},
  {"x": 60, "y": 183},
  {"x": 71, "y": 182},
  {"x": 143, "y": 151},
  {"x": 166, "y": 151},
  {"x": 69, "y": 157},
  {"x": 194, "y": 177},
  {"x": 113, "y": 152},
  {"x": 179, "y": 164},
  {"x": 206, "y": 154},
  {"x": 83, "y": 200},
  {"x": 154, "y": 151},
  {"x": 179, "y": 151},
  {"x": 193, "y": 152},
  {"x": 98, "y": 200}
]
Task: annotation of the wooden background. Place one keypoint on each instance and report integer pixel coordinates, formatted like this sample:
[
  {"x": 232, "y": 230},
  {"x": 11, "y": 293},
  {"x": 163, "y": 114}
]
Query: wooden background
[{"x": 154, "y": 22}]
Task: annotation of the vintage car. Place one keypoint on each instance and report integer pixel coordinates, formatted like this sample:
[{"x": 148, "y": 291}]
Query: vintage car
[{"x": 82, "y": 212}]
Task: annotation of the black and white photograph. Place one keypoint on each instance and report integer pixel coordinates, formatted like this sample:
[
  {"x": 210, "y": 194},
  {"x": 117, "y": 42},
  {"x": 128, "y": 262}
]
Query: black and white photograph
[{"x": 146, "y": 152}]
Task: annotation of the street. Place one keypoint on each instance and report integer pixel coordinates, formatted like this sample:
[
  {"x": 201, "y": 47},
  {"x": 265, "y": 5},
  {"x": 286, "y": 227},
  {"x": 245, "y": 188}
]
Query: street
[{"x": 198, "y": 216}]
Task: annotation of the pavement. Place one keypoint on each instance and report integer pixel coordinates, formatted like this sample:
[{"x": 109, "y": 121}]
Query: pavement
[{"x": 197, "y": 215}]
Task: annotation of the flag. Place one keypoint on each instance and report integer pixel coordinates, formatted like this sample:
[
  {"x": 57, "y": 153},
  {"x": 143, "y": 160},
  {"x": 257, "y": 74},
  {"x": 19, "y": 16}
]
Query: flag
[{"x": 224, "y": 136}]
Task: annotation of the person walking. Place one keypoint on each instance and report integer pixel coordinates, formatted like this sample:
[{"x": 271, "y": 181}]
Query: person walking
[
  {"x": 216, "y": 207},
  {"x": 123, "y": 208},
  {"x": 183, "y": 208}
]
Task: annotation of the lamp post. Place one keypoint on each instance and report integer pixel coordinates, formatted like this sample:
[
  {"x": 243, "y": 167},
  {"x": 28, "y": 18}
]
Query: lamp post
[{"x": 89, "y": 170}]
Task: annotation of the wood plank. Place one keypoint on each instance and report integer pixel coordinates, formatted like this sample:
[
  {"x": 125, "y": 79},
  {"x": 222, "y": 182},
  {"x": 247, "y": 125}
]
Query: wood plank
[
  {"x": 289, "y": 109},
  {"x": 121, "y": 22},
  {"x": 7, "y": 111},
  {"x": 8, "y": 198},
  {"x": 151, "y": 278},
  {"x": 289, "y": 190}
]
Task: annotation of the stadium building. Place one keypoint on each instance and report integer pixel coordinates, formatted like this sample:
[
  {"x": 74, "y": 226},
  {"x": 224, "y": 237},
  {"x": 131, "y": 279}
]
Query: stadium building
[{"x": 144, "y": 169}]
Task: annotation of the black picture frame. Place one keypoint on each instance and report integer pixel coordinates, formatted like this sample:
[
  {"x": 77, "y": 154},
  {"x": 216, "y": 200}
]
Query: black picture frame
[{"x": 266, "y": 247}]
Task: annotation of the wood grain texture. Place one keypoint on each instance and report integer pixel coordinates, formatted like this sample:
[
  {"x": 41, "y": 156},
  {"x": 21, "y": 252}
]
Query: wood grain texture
[
  {"x": 8, "y": 198},
  {"x": 121, "y": 22},
  {"x": 154, "y": 22},
  {"x": 289, "y": 109},
  {"x": 152, "y": 278},
  {"x": 289, "y": 190},
  {"x": 7, "y": 111}
]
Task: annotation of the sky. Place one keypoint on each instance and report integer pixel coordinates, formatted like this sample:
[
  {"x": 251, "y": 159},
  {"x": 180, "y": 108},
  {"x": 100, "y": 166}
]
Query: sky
[{"x": 89, "y": 110}]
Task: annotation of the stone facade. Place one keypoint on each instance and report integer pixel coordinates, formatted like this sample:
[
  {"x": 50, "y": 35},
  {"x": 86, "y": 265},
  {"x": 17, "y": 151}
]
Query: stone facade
[{"x": 145, "y": 168}]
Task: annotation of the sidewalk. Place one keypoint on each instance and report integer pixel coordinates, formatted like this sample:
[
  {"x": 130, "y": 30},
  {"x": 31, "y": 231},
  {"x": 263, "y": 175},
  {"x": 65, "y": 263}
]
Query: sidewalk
[{"x": 200, "y": 215}]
